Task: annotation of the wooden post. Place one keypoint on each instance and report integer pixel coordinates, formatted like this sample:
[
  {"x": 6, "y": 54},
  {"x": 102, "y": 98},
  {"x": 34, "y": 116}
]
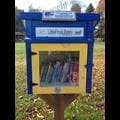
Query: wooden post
[
  {"x": 58, "y": 102},
  {"x": 59, "y": 107}
]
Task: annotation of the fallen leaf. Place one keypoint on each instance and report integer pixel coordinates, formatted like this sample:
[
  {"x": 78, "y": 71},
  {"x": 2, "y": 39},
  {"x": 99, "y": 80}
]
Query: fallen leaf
[
  {"x": 20, "y": 97},
  {"x": 40, "y": 116}
]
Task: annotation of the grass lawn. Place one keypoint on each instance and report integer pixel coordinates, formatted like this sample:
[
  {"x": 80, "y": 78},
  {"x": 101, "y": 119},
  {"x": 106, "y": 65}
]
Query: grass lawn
[{"x": 88, "y": 107}]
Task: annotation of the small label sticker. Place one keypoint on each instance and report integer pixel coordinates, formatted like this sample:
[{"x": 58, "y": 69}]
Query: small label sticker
[{"x": 58, "y": 16}]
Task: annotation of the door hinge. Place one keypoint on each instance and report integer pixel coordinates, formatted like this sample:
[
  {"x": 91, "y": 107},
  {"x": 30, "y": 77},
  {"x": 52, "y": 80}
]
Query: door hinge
[
  {"x": 34, "y": 84},
  {"x": 89, "y": 65},
  {"x": 33, "y": 53}
]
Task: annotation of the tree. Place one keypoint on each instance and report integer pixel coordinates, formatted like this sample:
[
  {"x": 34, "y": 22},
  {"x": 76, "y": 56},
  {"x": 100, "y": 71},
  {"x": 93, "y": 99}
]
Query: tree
[
  {"x": 62, "y": 5},
  {"x": 90, "y": 8},
  {"x": 31, "y": 9},
  {"x": 72, "y": 5},
  {"x": 100, "y": 32},
  {"x": 76, "y": 7},
  {"x": 19, "y": 26}
]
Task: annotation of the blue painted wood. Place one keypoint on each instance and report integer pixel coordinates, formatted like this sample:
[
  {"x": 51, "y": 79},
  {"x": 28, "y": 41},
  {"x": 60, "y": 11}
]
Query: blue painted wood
[
  {"x": 34, "y": 20},
  {"x": 79, "y": 16},
  {"x": 29, "y": 30},
  {"x": 58, "y": 24},
  {"x": 88, "y": 21},
  {"x": 89, "y": 67},
  {"x": 59, "y": 40},
  {"x": 90, "y": 29},
  {"x": 29, "y": 68}
]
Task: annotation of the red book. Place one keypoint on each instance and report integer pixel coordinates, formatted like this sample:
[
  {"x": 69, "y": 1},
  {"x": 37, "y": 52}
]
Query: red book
[{"x": 75, "y": 71}]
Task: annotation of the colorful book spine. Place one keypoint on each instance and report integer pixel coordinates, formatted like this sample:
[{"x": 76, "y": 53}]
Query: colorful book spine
[
  {"x": 44, "y": 73},
  {"x": 41, "y": 72},
  {"x": 71, "y": 71},
  {"x": 59, "y": 73},
  {"x": 52, "y": 73},
  {"x": 75, "y": 72},
  {"x": 55, "y": 72},
  {"x": 68, "y": 70},
  {"x": 64, "y": 72},
  {"x": 48, "y": 73}
]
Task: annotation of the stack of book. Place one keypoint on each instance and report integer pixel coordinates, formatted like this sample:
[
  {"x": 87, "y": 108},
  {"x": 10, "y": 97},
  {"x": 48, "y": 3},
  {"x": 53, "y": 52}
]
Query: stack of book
[{"x": 61, "y": 72}]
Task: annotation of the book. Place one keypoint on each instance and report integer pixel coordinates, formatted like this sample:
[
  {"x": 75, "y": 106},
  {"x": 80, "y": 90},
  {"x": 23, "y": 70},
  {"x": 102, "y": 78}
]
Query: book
[
  {"x": 68, "y": 70},
  {"x": 64, "y": 72},
  {"x": 55, "y": 72},
  {"x": 41, "y": 71},
  {"x": 75, "y": 72},
  {"x": 71, "y": 72},
  {"x": 44, "y": 73},
  {"x": 59, "y": 73},
  {"x": 48, "y": 73}
]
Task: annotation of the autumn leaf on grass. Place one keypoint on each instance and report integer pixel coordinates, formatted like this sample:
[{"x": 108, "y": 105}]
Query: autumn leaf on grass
[
  {"x": 31, "y": 112},
  {"x": 20, "y": 97},
  {"x": 35, "y": 100},
  {"x": 20, "y": 108},
  {"x": 40, "y": 116},
  {"x": 73, "y": 103},
  {"x": 25, "y": 91}
]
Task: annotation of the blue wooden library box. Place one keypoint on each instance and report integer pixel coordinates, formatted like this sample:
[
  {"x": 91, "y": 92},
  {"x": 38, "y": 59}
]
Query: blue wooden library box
[{"x": 59, "y": 51}]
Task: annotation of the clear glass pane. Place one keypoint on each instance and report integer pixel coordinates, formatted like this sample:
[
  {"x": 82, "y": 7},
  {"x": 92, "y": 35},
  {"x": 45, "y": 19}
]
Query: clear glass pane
[{"x": 59, "y": 68}]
